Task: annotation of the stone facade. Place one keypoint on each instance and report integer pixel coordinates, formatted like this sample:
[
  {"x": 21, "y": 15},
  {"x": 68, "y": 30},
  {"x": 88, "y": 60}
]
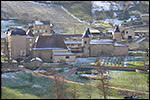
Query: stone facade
[
  {"x": 45, "y": 55},
  {"x": 128, "y": 33},
  {"x": 17, "y": 46},
  {"x": 117, "y": 36},
  {"x": 120, "y": 51},
  {"x": 102, "y": 50},
  {"x": 86, "y": 47}
]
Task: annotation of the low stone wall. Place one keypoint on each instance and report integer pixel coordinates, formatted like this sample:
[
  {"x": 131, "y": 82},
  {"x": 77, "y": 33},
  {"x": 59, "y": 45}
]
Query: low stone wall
[
  {"x": 9, "y": 64},
  {"x": 33, "y": 64},
  {"x": 117, "y": 67},
  {"x": 55, "y": 65}
]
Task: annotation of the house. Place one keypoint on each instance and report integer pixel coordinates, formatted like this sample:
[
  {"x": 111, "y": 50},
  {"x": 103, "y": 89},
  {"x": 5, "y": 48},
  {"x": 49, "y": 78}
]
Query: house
[
  {"x": 145, "y": 17},
  {"x": 52, "y": 49},
  {"x": 19, "y": 43},
  {"x": 42, "y": 27},
  {"x": 128, "y": 33}
]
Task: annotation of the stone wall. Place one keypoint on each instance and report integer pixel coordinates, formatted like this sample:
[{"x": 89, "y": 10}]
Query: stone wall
[
  {"x": 102, "y": 49},
  {"x": 121, "y": 51},
  {"x": 45, "y": 55},
  {"x": 35, "y": 63}
]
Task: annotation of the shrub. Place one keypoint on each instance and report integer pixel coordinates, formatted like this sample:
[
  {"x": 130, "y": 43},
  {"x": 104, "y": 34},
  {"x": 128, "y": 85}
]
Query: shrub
[{"x": 31, "y": 68}]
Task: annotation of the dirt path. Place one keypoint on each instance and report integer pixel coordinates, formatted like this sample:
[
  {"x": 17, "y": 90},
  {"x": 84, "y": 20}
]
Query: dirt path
[{"x": 72, "y": 71}]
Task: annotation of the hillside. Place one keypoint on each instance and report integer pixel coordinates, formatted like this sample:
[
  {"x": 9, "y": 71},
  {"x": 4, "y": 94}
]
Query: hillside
[
  {"x": 28, "y": 10},
  {"x": 8, "y": 93}
]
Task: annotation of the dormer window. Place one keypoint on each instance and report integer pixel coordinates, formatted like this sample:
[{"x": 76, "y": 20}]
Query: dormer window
[{"x": 85, "y": 42}]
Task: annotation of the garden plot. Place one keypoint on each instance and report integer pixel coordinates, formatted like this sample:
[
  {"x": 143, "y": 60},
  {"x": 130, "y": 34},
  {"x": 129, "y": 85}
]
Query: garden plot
[
  {"x": 84, "y": 61},
  {"x": 126, "y": 60}
]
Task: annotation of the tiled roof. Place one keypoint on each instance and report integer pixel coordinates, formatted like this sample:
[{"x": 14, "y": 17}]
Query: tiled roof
[
  {"x": 53, "y": 41},
  {"x": 117, "y": 29}
]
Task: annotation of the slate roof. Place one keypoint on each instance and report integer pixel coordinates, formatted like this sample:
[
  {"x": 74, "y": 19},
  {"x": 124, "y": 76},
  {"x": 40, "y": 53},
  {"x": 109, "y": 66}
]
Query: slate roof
[
  {"x": 87, "y": 33},
  {"x": 50, "y": 42},
  {"x": 117, "y": 29},
  {"x": 17, "y": 31},
  {"x": 42, "y": 22}
]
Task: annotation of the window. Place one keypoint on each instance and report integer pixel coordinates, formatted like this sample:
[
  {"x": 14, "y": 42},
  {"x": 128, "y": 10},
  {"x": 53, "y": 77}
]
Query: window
[
  {"x": 67, "y": 57},
  {"x": 24, "y": 53},
  {"x": 85, "y": 42},
  {"x": 126, "y": 32},
  {"x": 20, "y": 52},
  {"x": 43, "y": 30},
  {"x": 30, "y": 44},
  {"x": 30, "y": 49},
  {"x": 46, "y": 31},
  {"x": 30, "y": 40},
  {"x": 129, "y": 37}
]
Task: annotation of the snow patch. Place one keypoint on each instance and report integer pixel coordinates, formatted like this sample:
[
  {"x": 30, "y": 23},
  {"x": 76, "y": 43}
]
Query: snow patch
[
  {"x": 36, "y": 86},
  {"x": 37, "y": 58}
]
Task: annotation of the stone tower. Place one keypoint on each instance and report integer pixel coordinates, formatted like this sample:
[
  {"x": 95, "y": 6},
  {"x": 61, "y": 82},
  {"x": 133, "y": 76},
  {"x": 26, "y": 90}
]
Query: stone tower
[
  {"x": 117, "y": 34},
  {"x": 86, "y": 43}
]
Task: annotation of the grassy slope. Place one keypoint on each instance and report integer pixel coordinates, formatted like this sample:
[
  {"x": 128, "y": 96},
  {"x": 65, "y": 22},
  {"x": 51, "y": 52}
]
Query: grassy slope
[
  {"x": 8, "y": 93},
  {"x": 80, "y": 9}
]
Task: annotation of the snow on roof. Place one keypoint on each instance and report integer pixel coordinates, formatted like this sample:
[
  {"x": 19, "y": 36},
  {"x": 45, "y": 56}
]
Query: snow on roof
[
  {"x": 144, "y": 15},
  {"x": 46, "y": 48},
  {"x": 3, "y": 35},
  {"x": 30, "y": 36},
  {"x": 119, "y": 44},
  {"x": 94, "y": 31},
  {"x": 73, "y": 42},
  {"x": 63, "y": 53},
  {"x": 140, "y": 40},
  {"x": 38, "y": 22},
  {"x": 76, "y": 47},
  {"x": 36, "y": 58},
  {"x": 102, "y": 41}
]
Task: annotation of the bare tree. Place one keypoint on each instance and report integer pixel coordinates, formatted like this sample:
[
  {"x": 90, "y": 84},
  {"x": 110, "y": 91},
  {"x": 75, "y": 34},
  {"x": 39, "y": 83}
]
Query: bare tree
[
  {"x": 102, "y": 84},
  {"x": 59, "y": 88},
  {"x": 88, "y": 89}
]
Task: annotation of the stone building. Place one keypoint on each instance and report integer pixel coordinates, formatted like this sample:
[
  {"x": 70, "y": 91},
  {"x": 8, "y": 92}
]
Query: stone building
[
  {"x": 99, "y": 47},
  {"x": 52, "y": 49},
  {"x": 19, "y": 43},
  {"x": 42, "y": 27},
  {"x": 128, "y": 33}
]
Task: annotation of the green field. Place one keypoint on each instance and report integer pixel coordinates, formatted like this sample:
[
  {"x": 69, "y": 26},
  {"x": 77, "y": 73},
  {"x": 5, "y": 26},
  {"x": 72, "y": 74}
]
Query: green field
[{"x": 22, "y": 84}]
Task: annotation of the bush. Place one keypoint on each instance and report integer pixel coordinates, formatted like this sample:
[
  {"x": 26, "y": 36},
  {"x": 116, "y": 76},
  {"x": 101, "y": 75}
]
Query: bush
[{"x": 31, "y": 68}]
